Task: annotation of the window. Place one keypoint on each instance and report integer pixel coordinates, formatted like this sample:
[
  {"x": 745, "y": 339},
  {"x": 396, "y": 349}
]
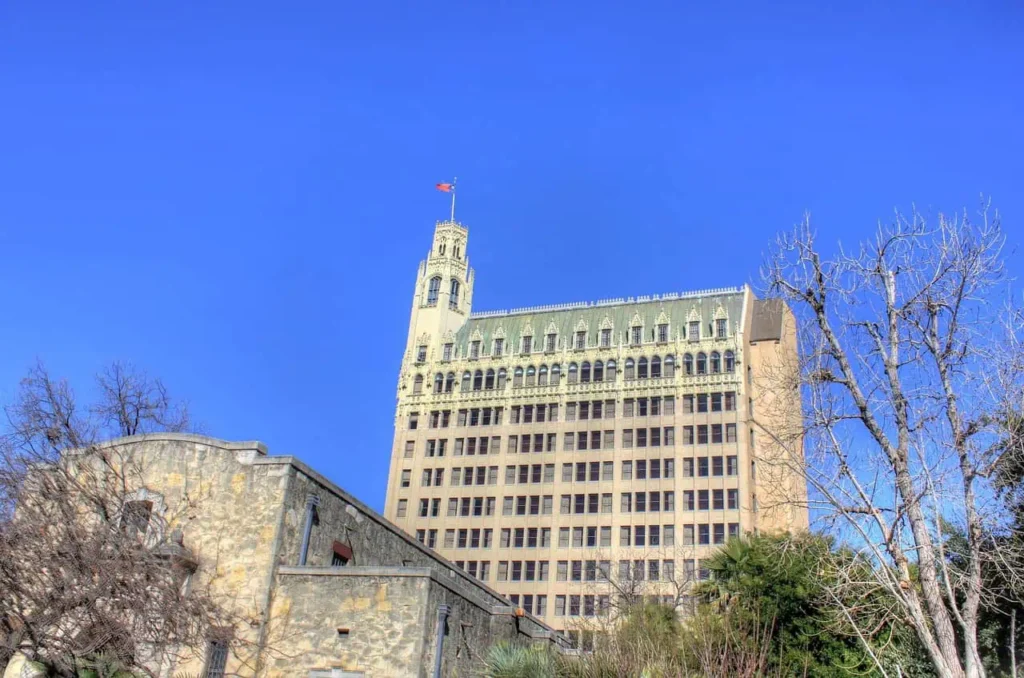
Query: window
[
  {"x": 636, "y": 334},
  {"x": 499, "y": 347},
  {"x": 702, "y": 363},
  {"x": 598, "y": 371},
  {"x": 433, "y": 290},
  {"x": 527, "y": 344},
  {"x": 531, "y": 375},
  {"x": 135, "y": 518},
  {"x": 581, "y": 341},
  {"x": 641, "y": 368},
  {"x": 630, "y": 371},
  {"x": 716, "y": 362},
  {"x": 687, "y": 364},
  {"x": 478, "y": 380},
  {"x": 474, "y": 349},
  {"x": 556, "y": 375},
  {"x": 693, "y": 331},
  {"x": 670, "y": 368},
  {"x": 517, "y": 378},
  {"x": 453, "y": 294},
  {"x": 417, "y": 384},
  {"x": 549, "y": 343},
  {"x": 730, "y": 361},
  {"x": 606, "y": 338},
  {"x": 663, "y": 333},
  {"x": 421, "y": 354},
  {"x": 655, "y": 367},
  {"x": 585, "y": 373},
  {"x": 216, "y": 659},
  {"x": 406, "y": 473},
  {"x": 403, "y": 506},
  {"x": 610, "y": 372},
  {"x": 720, "y": 328},
  {"x": 542, "y": 376}
]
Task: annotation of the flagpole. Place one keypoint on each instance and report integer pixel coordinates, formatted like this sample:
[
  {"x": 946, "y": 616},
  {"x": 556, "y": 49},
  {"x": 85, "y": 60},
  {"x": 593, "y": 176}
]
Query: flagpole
[{"x": 453, "y": 198}]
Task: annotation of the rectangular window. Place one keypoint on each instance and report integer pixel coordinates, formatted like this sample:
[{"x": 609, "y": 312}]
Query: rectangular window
[
  {"x": 499, "y": 347},
  {"x": 641, "y": 437},
  {"x": 688, "y": 435},
  {"x": 687, "y": 468},
  {"x": 414, "y": 418},
  {"x": 734, "y": 498},
  {"x": 216, "y": 659},
  {"x": 527, "y": 344},
  {"x": 730, "y": 433},
  {"x": 702, "y": 434},
  {"x": 550, "y": 345},
  {"x": 718, "y": 499},
  {"x": 716, "y": 433},
  {"x": 688, "y": 502},
  {"x": 663, "y": 333},
  {"x": 730, "y": 401},
  {"x": 702, "y": 500},
  {"x": 693, "y": 331},
  {"x": 720, "y": 328},
  {"x": 403, "y": 506},
  {"x": 716, "y": 466},
  {"x": 627, "y": 502},
  {"x": 606, "y": 338}
]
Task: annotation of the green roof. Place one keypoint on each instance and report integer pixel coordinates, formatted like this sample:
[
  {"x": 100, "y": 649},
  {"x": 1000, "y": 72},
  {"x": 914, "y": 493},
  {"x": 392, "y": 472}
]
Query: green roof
[{"x": 621, "y": 313}]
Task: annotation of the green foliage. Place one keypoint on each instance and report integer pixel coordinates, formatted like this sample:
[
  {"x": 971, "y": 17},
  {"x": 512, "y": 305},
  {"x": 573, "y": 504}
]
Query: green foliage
[
  {"x": 509, "y": 660},
  {"x": 782, "y": 581}
]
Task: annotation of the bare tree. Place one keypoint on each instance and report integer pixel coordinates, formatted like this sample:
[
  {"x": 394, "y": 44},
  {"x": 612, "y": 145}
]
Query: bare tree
[
  {"x": 86, "y": 568},
  {"x": 910, "y": 365}
]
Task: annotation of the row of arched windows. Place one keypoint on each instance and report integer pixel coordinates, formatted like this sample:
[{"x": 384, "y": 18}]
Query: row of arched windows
[
  {"x": 586, "y": 372},
  {"x": 434, "y": 289}
]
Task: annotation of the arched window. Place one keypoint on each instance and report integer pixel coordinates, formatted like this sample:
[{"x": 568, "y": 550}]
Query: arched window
[
  {"x": 433, "y": 290},
  {"x": 610, "y": 371},
  {"x": 641, "y": 368},
  {"x": 716, "y": 362},
  {"x": 489, "y": 380},
  {"x": 531, "y": 376},
  {"x": 702, "y": 363},
  {"x": 630, "y": 370},
  {"x": 556, "y": 374},
  {"x": 517, "y": 377},
  {"x": 585, "y": 372},
  {"x": 438, "y": 382},
  {"x": 670, "y": 367},
  {"x": 687, "y": 363},
  {"x": 453, "y": 294},
  {"x": 730, "y": 361},
  {"x": 478, "y": 380},
  {"x": 655, "y": 367},
  {"x": 466, "y": 379},
  {"x": 449, "y": 382},
  {"x": 598, "y": 371},
  {"x": 417, "y": 384},
  {"x": 542, "y": 376},
  {"x": 573, "y": 373},
  {"x": 502, "y": 378}
]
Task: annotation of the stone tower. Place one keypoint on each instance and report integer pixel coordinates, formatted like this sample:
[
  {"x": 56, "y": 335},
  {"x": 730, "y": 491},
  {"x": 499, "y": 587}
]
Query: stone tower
[{"x": 443, "y": 296}]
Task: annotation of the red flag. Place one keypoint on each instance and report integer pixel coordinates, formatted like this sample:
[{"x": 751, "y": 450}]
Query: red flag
[{"x": 447, "y": 188}]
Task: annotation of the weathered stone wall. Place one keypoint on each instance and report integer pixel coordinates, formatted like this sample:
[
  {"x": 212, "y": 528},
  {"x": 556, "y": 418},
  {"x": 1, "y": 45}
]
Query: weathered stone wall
[
  {"x": 473, "y": 625},
  {"x": 242, "y": 516},
  {"x": 341, "y": 518},
  {"x": 382, "y": 613},
  {"x": 228, "y": 512}
]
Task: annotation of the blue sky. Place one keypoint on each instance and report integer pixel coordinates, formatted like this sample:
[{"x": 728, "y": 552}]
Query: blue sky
[{"x": 236, "y": 196}]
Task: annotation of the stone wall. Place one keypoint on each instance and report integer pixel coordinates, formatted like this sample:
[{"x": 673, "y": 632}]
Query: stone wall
[{"x": 242, "y": 516}]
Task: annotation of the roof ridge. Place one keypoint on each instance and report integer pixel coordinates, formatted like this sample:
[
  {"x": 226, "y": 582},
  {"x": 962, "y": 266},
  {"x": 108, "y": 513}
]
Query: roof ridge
[{"x": 671, "y": 296}]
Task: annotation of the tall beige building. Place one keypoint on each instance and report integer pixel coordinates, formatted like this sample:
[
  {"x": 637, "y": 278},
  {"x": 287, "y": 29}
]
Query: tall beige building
[{"x": 566, "y": 453}]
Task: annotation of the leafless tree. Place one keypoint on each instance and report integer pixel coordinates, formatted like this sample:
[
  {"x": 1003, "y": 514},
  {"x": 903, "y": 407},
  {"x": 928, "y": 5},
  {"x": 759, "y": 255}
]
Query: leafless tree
[
  {"x": 85, "y": 568},
  {"x": 910, "y": 365}
]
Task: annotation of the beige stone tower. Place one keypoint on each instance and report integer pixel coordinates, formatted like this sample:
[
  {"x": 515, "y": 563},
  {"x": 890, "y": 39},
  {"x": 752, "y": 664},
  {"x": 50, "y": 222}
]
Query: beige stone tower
[{"x": 565, "y": 454}]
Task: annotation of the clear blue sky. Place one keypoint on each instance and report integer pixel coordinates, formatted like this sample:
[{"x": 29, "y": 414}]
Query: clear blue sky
[{"x": 236, "y": 196}]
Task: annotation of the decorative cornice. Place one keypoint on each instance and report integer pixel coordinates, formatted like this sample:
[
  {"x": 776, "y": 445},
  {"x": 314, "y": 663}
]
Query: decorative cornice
[{"x": 715, "y": 291}]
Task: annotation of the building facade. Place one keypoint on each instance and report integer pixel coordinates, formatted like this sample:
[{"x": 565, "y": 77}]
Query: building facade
[
  {"x": 312, "y": 582},
  {"x": 564, "y": 454}
]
